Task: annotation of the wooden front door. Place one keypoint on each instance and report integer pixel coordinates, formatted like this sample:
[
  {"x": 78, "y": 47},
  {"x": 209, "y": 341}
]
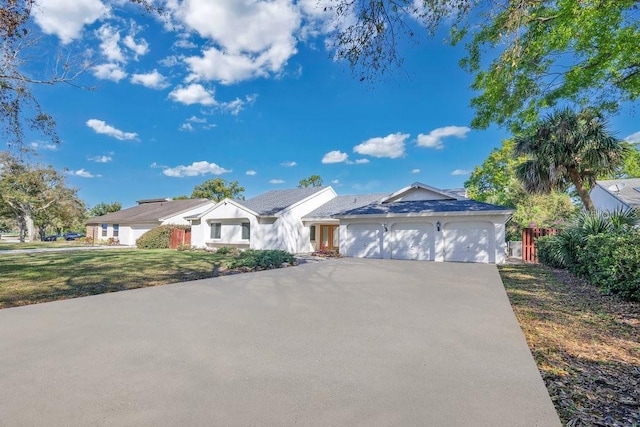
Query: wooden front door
[{"x": 328, "y": 237}]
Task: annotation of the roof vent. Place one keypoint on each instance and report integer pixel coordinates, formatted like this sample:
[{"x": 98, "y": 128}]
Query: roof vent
[{"x": 615, "y": 188}]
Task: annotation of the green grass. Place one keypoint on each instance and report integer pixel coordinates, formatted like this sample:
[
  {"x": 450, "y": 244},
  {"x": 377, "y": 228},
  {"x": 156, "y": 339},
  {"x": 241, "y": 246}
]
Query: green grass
[
  {"x": 10, "y": 246},
  {"x": 39, "y": 277}
]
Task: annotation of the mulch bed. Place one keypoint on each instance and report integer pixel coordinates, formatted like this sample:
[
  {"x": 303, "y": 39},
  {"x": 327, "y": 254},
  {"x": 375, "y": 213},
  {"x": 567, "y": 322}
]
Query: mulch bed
[{"x": 597, "y": 393}]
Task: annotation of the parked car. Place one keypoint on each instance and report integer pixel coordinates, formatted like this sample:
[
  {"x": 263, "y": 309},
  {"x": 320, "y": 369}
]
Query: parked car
[
  {"x": 52, "y": 238},
  {"x": 72, "y": 236}
]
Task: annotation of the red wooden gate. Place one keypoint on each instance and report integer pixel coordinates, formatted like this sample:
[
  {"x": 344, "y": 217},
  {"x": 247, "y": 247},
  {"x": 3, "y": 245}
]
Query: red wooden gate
[
  {"x": 180, "y": 237},
  {"x": 529, "y": 236}
]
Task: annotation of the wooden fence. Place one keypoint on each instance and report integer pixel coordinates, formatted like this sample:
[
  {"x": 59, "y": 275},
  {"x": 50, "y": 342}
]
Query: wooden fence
[
  {"x": 529, "y": 236},
  {"x": 180, "y": 237}
]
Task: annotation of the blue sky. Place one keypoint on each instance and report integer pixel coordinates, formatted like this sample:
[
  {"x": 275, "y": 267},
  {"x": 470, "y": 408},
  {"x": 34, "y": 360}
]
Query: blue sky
[{"x": 248, "y": 91}]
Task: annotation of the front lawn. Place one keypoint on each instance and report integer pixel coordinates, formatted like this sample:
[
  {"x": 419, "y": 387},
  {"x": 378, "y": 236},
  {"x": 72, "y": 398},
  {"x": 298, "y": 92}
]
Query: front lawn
[
  {"x": 586, "y": 345},
  {"x": 39, "y": 277},
  {"x": 10, "y": 246}
]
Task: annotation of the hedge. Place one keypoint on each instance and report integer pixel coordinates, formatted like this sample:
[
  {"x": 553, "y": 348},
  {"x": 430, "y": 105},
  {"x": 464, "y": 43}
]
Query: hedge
[
  {"x": 159, "y": 237},
  {"x": 610, "y": 260},
  {"x": 252, "y": 258}
]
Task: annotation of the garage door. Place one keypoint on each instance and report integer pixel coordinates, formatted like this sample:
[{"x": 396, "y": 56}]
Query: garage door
[
  {"x": 412, "y": 241},
  {"x": 467, "y": 241},
  {"x": 364, "y": 240}
]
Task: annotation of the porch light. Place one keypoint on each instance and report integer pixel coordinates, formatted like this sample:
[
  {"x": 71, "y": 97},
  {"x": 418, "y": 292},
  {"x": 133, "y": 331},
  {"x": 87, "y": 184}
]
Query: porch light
[
  {"x": 438, "y": 225},
  {"x": 385, "y": 227}
]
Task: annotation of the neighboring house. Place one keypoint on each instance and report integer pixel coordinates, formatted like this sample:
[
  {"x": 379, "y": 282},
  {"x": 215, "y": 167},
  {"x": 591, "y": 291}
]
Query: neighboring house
[
  {"x": 612, "y": 194},
  {"x": 416, "y": 222},
  {"x": 127, "y": 225}
]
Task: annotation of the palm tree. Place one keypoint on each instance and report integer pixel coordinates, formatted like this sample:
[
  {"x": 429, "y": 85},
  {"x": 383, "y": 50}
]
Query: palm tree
[{"x": 568, "y": 148}]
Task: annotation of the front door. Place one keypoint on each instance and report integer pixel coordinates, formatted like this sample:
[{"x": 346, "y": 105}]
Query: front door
[{"x": 328, "y": 237}]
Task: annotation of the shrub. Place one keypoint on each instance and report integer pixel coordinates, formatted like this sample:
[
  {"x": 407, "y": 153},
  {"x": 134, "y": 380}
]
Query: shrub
[
  {"x": 252, "y": 258},
  {"x": 603, "y": 248},
  {"x": 225, "y": 250},
  {"x": 612, "y": 262},
  {"x": 158, "y": 238}
]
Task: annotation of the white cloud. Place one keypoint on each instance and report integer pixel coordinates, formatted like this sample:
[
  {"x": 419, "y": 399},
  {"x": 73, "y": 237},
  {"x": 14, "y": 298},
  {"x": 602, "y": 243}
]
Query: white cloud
[
  {"x": 103, "y": 128},
  {"x": 251, "y": 172},
  {"x": 100, "y": 159},
  {"x": 434, "y": 138},
  {"x": 193, "y": 121},
  {"x": 391, "y": 146},
  {"x": 109, "y": 71},
  {"x": 39, "y": 145},
  {"x": 276, "y": 181},
  {"x": 288, "y": 164},
  {"x": 195, "y": 169},
  {"x": 185, "y": 44},
  {"x": 170, "y": 61},
  {"x": 415, "y": 171},
  {"x": 83, "y": 174},
  {"x": 187, "y": 127},
  {"x": 335, "y": 157},
  {"x": 335, "y": 181},
  {"x": 361, "y": 161},
  {"x": 634, "y": 138},
  {"x": 236, "y": 106},
  {"x": 193, "y": 94},
  {"x": 66, "y": 19},
  {"x": 460, "y": 172},
  {"x": 140, "y": 47},
  {"x": 109, "y": 43},
  {"x": 152, "y": 80},
  {"x": 252, "y": 38}
]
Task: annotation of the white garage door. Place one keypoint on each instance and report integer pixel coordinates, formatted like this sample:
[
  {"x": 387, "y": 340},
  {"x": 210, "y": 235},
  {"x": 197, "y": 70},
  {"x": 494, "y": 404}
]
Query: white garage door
[
  {"x": 412, "y": 241},
  {"x": 467, "y": 241},
  {"x": 364, "y": 240}
]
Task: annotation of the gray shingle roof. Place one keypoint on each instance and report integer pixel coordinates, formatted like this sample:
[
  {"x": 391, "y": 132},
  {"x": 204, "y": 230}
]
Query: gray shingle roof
[
  {"x": 424, "y": 206},
  {"x": 342, "y": 203},
  {"x": 272, "y": 202},
  {"x": 626, "y": 190},
  {"x": 148, "y": 212}
]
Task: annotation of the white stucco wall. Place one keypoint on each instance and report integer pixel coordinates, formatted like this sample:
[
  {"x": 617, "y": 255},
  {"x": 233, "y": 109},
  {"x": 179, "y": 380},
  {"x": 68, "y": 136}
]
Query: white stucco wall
[
  {"x": 604, "y": 201},
  {"x": 231, "y": 217},
  {"x": 285, "y": 232},
  {"x": 292, "y": 233}
]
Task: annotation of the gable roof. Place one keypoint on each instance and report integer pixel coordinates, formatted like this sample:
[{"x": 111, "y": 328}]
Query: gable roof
[
  {"x": 342, "y": 203},
  {"x": 274, "y": 202},
  {"x": 149, "y": 212},
  {"x": 625, "y": 190},
  {"x": 421, "y": 207},
  {"x": 415, "y": 185}
]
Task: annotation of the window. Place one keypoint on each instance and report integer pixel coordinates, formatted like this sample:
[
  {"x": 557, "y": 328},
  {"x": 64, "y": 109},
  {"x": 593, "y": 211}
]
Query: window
[
  {"x": 116, "y": 230},
  {"x": 312, "y": 233},
  {"x": 216, "y": 227},
  {"x": 246, "y": 230},
  {"x": 104, "y": 230}
]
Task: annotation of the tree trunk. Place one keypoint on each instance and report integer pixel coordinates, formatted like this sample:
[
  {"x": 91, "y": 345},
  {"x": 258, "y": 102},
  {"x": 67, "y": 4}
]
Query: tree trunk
[
  {"x": 22, "y": 227},
  {"x": 578, "y": 182},
  {"x": 29, "y": 225}
]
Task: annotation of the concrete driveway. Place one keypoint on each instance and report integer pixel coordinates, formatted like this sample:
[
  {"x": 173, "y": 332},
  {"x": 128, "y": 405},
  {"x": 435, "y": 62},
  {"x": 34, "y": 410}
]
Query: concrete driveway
[{"x": 342, "y": 342}]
